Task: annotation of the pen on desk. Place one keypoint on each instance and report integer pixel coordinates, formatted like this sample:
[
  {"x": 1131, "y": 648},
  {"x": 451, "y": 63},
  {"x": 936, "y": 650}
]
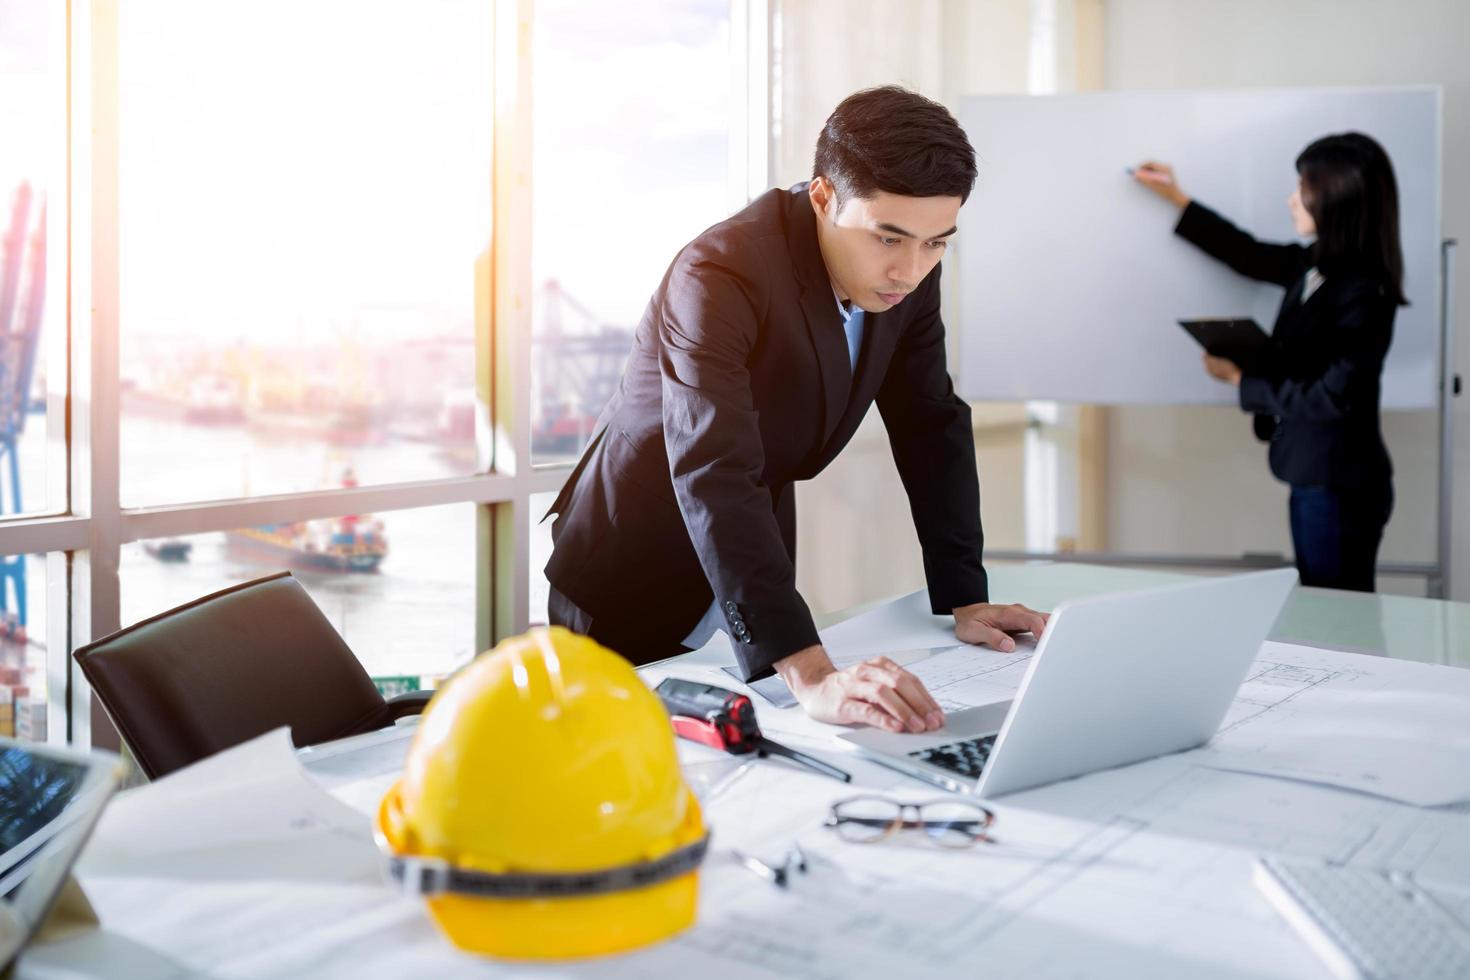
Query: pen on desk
[
  {"x": 780, "y": 877},
  {"x": 768, "y": 747},
  {"x": 776, "y": 876}
]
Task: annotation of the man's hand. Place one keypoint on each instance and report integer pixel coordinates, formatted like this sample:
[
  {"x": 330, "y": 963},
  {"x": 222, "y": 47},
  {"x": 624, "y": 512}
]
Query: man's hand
[
  {"x": 990, "y": 624},
  {"x": 876, "y": 692},
  {"x": 1223, "y": 368}
]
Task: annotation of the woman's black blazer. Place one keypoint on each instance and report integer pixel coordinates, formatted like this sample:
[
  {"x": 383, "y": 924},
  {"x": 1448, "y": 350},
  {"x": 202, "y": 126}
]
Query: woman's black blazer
[{"x": 1316, "y": 395}]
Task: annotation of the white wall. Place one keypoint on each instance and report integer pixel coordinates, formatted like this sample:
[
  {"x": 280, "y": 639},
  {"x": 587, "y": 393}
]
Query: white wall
[
  {"x": 856, "y": 540},
  {"x": 1194, "y": 480}
]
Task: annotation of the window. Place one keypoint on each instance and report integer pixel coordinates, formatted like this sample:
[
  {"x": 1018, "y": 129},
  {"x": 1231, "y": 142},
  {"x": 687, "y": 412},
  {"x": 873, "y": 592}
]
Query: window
[
  {"x": 628, "y": 168},
  {"x": 398, "y": 586},
  {"x": 24, "y": 680},
  {"x": 301, "y": 285},
  {"x": 299, "y": 243}
]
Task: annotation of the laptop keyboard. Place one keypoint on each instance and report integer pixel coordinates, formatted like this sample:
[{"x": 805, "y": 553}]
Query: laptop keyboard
[{"x": 967, "y": 758}]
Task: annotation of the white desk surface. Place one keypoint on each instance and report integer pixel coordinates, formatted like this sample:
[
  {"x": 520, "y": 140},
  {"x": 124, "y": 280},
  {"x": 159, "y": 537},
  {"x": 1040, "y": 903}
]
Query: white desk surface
[{"x": 1137, "y": 872}]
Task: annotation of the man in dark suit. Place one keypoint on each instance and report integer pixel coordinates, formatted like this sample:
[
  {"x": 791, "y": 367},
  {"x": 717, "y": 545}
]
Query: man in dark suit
[{"x": 760, "y": 352}]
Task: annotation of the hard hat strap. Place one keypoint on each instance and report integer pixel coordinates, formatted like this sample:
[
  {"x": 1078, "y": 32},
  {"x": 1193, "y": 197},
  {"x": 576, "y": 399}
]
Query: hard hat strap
[{"x": 433, "y": 876}]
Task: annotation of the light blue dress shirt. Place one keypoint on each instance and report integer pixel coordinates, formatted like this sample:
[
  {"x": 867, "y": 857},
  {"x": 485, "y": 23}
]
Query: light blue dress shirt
[{"x": 852, "y": 325}]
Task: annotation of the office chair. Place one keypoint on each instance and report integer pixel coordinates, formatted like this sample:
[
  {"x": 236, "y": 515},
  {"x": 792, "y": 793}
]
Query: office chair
[{"x": 223, "y": 669}]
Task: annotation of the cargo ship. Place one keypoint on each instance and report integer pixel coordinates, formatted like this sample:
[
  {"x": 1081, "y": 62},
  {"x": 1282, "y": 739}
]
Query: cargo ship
[
  {"x": 344, "y": 544},
  {"x": 169, "y": 549}
]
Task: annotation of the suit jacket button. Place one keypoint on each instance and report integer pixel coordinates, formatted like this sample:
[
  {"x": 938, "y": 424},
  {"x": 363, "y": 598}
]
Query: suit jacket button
[{"x": 730, "y": 606}]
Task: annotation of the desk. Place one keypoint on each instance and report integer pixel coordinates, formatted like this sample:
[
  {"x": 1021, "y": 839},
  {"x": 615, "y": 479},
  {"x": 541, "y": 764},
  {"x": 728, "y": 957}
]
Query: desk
[
  {"x": 1401, "y": 627},
  {"x": 1137, "y": 872}
]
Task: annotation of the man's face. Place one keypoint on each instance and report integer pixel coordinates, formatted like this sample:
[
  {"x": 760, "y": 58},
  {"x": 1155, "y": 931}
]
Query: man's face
[{"x": 879, "y": 249}]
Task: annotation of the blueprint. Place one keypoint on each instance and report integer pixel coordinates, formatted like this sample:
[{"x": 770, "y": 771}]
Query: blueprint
[
  {"x": 1389, "y": 727},
  {"x": 248, "y": 813},
  {"x": 1143, "y": 871},
  {"x": 962, "y": 676},
  {"x": 1053, "y": 892}
]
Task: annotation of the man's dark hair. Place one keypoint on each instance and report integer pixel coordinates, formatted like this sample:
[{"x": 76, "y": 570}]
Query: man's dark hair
[
  {"x": 1349, "y": 189},
  {"x": 893, "y": 140}
]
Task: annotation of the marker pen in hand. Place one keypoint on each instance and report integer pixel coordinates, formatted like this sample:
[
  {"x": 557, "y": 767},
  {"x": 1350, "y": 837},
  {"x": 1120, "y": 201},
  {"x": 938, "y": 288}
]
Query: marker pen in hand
[{"x": 1147, "y": 170}]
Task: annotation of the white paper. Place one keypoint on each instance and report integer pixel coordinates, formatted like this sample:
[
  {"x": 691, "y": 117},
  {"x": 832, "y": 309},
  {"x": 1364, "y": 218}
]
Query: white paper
[
  {"x": 1055, "y": 893},
  {"x": 360, "y": 771},
  {"x": 961, "y": 675},
  {"x": 903, "y": 624},
  {"x": 1138, "y": 872},
  {"x": 1390, "y": 727},
  {"x": 249, "y": 812}
]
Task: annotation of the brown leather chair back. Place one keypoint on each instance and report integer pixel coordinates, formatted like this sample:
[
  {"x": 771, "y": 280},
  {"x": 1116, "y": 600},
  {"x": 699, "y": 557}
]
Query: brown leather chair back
[{"x": 223, "y": 669}]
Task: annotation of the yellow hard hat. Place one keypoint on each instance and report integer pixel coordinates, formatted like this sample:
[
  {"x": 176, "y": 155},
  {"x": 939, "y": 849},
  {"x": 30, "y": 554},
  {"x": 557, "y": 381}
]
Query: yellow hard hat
[{"x": 541, "y": 810}]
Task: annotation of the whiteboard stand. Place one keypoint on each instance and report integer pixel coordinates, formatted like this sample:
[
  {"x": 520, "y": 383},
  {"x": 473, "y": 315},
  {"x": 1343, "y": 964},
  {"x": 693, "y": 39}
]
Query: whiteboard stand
[
  {"x": 1449, "y": 390},
  {"x": 1436, "y": 574}
]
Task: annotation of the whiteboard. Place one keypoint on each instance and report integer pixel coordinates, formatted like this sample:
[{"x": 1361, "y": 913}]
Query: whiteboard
[{"x": 1073, "y": 278}]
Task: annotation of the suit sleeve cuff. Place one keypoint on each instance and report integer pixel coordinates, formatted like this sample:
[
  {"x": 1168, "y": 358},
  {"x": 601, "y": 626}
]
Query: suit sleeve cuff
[
  {"x": 772, "y": 637},
  {"x": 1195, "y": 222},
  {"x": 1255, "y": 395},
  {"x": 948, "y": 590}
]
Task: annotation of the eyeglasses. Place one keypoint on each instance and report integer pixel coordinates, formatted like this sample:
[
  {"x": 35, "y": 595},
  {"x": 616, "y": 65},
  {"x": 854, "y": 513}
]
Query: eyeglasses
[{"x": 949, "y": 823}]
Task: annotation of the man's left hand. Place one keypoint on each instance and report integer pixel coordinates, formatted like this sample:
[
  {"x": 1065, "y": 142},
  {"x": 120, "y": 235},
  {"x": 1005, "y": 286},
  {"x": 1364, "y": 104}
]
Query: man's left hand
[
  {"x": 1223, "y": 368},
  {"x": 991, "y": 624}
]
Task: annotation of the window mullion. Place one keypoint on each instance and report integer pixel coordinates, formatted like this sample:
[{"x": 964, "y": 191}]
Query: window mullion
[{"x": 505, "y": 531}]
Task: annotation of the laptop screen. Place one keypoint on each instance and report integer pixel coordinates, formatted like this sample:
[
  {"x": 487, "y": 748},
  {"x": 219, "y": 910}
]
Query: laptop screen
[
  {"x": 34, "y": 790},
  {"x": 49, "y": 800}
]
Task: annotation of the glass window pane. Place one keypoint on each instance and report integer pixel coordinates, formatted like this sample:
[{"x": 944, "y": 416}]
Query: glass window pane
[
  {"x": 23, "y": 711},
  {"x": 398, "y": 586},
  {"x": 304, "y": 201},
  {"x": 614, "y": 201},
  {"x": 32, "y": 304}
]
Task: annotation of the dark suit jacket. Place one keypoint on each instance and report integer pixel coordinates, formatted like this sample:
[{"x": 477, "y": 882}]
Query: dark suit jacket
[
  {"x": 740, "y": 384},
  {"x": 1316, "y": 395}
]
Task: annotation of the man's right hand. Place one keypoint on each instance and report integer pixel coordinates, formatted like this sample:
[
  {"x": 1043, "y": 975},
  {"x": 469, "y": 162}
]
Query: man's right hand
[{"x": 876, "y": 692}]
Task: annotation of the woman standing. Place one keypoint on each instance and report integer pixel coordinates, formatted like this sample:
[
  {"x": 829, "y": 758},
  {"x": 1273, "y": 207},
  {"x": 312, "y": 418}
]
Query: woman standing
[{"x": 1316, "y": 395}]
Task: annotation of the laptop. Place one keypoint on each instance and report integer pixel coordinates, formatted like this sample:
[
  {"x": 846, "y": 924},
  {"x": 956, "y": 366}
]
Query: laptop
[
  {"x": 50, "y": 799},
  {"x": 1114, "y": 680}
]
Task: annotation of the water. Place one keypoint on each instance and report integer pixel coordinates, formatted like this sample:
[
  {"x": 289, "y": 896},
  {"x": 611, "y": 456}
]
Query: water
[{"x": 415, "y": 616}]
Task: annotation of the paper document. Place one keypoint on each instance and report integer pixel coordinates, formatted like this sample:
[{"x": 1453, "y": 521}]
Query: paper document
[
  {"x": 249, "y": 812},
  {"x": 961, "y": 675},
  {"x": 1053, "y": 893},
  {"x": 903, "y": 624},
  {"x": 1390, "y": 727}
]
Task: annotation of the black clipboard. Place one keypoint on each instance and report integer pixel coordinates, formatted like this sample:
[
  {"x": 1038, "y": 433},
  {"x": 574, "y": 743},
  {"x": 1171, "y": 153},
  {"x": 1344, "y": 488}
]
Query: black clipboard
[{"x": 1234, "y": 338}]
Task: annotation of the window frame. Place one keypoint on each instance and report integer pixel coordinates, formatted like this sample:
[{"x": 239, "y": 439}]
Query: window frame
[{"x": 83, "y": 544}]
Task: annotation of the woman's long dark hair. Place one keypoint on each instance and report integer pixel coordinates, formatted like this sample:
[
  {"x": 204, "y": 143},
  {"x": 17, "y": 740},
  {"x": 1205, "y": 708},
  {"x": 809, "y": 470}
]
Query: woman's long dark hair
[{"x": 1349, "y": 189}]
